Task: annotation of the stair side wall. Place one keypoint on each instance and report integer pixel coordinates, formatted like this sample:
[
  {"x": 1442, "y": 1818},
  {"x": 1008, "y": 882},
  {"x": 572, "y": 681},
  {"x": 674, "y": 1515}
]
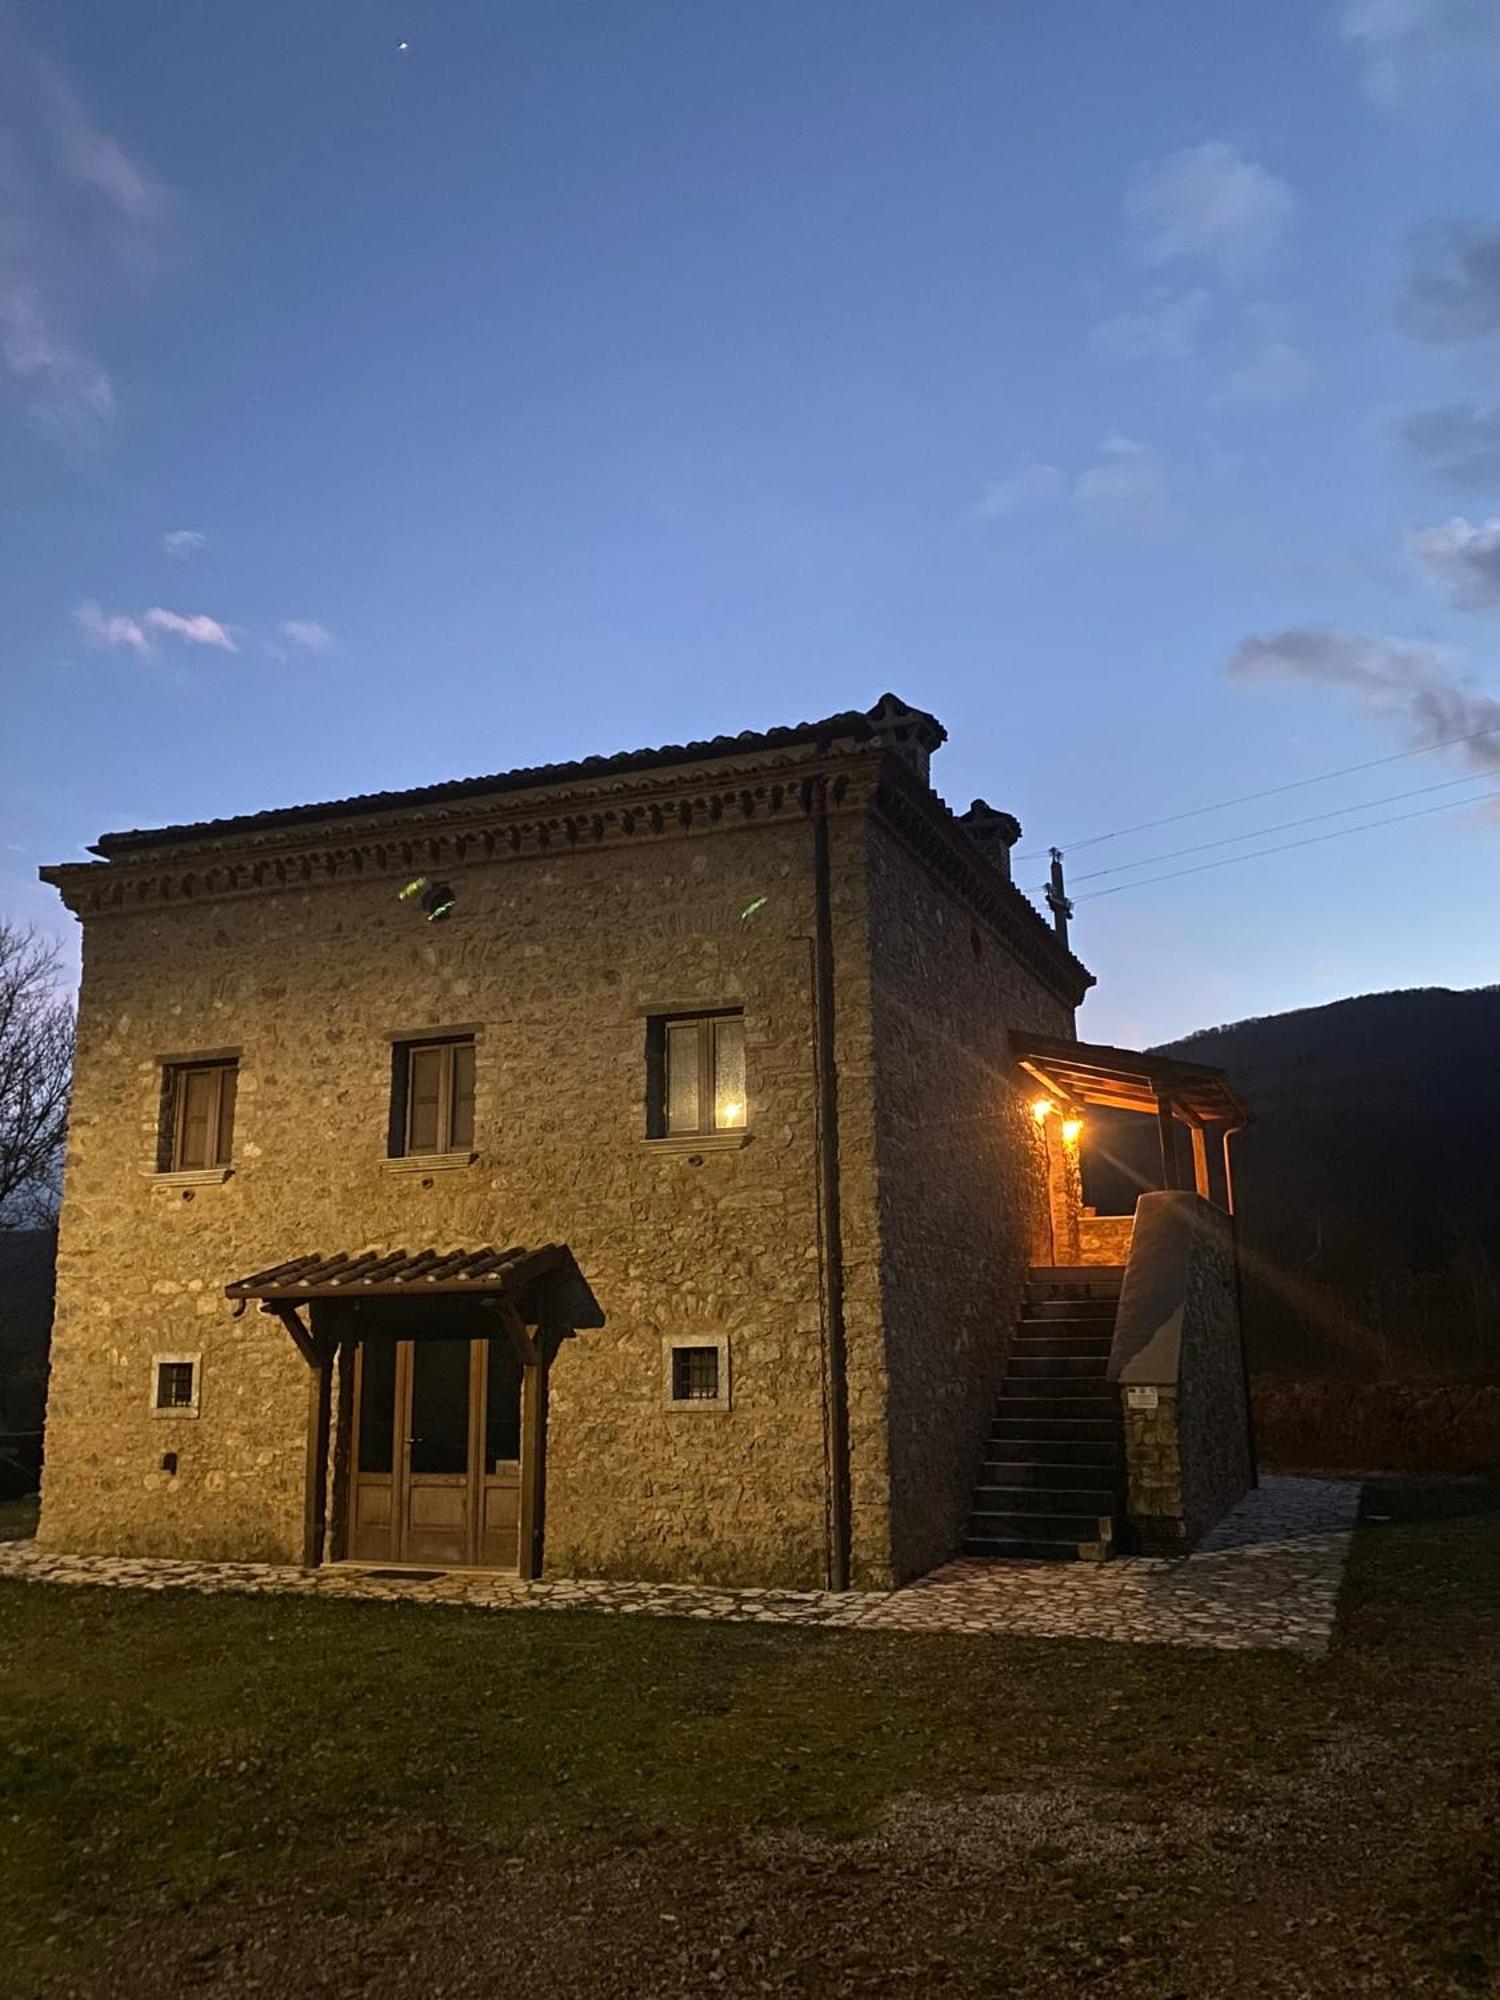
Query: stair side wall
[
  {"x": 962, "y": 1184},
  {"x": 1178, "y": 1360}
]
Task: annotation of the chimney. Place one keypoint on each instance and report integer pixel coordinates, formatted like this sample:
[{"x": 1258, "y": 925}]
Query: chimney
[
  {"x": 911, "y": 733},
  {"x": 993, "y": 833}
]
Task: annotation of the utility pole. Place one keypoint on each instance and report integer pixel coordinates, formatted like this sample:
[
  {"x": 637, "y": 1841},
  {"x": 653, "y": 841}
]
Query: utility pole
[{"x": 1057, "y": 898}]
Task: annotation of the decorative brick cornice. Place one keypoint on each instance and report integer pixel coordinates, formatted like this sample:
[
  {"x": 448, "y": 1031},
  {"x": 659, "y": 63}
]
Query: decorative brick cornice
[
  {"x": 598, "y": 810},
  {"x": 434, "y": 839}
]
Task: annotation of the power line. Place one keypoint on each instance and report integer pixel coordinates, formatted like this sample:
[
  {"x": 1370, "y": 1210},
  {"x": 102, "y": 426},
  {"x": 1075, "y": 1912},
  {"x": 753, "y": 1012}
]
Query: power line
[
  {"x": 1270, "y": 792},
  {"x": 1282, "y": 826},
  {"x": 1312, "y": 840}
]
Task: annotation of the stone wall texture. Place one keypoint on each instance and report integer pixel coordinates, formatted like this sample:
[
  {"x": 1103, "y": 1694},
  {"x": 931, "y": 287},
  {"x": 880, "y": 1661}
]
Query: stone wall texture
[
  {"x": 1188, "y": 1458},
  {"x": 1104, "y": 1239},
  {"x": 962, "y": 1178},
  {"x": 555, "y": 960}
]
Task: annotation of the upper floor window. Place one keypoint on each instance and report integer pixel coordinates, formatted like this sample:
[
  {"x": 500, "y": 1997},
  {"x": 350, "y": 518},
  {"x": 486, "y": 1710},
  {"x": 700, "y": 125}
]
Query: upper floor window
[
  {"x": 696, "y": 1074},
  {"x": 432, "y": 1096},
  {"x": 197, "y": 1125}
]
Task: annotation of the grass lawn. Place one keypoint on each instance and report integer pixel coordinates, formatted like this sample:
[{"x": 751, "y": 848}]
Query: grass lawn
[{"x": 237, "y": 1795}]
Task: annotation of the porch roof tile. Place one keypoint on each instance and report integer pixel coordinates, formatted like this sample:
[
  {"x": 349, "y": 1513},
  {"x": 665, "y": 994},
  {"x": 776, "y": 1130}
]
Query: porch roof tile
[{"x": 376, "y": 1273}]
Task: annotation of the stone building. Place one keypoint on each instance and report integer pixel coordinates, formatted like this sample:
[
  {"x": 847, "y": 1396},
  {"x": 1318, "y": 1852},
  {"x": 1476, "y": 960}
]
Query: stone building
[{"x": 618, "y": 1168}]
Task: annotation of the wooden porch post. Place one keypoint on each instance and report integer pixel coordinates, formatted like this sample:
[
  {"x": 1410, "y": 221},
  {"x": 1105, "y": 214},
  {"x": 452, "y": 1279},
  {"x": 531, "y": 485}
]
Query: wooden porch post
[
  {"x": 1166, "y": 1130},
  {"x": 532, "y": 1503},
  {"x": 343, "y": 1465},
  {"x": 1200, "y": 1162},
  {"x": 319, "y": 1423}
]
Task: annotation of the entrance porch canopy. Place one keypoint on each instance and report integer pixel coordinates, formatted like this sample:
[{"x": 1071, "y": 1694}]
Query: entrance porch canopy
[
  {"x": 1175, "y": 1092},
  {"x": 402, "y": 1274},
  {"x": 522, "y": 1288}
]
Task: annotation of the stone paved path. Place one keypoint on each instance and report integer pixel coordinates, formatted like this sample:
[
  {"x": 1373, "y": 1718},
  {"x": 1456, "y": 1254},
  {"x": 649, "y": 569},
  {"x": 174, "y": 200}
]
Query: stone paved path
[{"x": 1268, "y": 1575}]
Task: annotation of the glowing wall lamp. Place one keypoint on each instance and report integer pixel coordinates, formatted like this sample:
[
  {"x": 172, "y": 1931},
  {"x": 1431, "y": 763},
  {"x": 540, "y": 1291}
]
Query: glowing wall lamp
[
  {"x": 1040, "y": 1108},
  {"x": 1072, "y": 1128}
]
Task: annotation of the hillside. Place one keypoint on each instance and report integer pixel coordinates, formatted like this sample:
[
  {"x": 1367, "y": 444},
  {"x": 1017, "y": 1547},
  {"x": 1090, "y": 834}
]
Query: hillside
[{"x": 1369, "y": 1185}]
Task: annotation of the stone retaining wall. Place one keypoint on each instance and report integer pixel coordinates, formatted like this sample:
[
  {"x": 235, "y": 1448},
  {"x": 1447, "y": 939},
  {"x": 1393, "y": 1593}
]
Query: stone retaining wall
[{"x": 1178, "y": 1362}]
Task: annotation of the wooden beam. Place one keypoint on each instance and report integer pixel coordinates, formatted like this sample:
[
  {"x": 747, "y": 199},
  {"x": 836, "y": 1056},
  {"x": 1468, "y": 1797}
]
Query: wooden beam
[
  {"x": 1200, "y": 1162},
  {"x": 315, "y": 1495},
  {"x": 533, "y": 1468},
  {"x": 506, "y": 1311},
  {"x": 1229, "y": 1133},
  {"x": 343, "y": 1452},
  {"x": 1166, "y": 1127},
  {"x": 288, "y": 1315}
]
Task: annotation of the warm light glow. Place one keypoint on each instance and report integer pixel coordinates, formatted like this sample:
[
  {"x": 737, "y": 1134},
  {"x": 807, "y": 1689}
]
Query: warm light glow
[
  {"x": 1040, "y": 1107},
  {"x": 734, "y": 1114},
  {"x": 1071, "y": 1128}
]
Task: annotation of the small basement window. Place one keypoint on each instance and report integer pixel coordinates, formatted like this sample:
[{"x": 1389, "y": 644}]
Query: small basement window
[
  {"x": 696, "y": 1374},
  {"x": 695, "y": 1067},
  {"x": 174, "y": 1384}
]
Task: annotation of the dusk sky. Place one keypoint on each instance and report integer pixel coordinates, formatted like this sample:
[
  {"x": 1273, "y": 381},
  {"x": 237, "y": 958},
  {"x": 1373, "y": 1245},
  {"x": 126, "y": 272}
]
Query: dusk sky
[{"x": 391, "y": 393}]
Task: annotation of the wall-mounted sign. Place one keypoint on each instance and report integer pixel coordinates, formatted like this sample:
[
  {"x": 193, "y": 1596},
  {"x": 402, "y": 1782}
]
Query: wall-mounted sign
[{"x": 1140, "y": 1399}]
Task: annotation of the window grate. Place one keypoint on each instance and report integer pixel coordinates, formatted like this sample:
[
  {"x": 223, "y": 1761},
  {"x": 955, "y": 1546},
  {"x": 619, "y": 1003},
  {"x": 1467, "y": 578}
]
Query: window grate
[
  {"x": 174, "y": 1385},
  {"x": 695, "y": 1374}
]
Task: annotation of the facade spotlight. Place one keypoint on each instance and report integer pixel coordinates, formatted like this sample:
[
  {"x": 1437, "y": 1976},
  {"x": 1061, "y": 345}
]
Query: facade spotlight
[
  {"x": 1040, "y": 1107},
  {"x": 434, "y": 899},
  {"x": 1072, "y": 1127}
]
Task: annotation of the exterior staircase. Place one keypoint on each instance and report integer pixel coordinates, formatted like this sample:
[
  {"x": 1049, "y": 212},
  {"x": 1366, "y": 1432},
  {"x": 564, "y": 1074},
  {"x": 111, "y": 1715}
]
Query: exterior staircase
[{"x": 1051, "y": 1485}]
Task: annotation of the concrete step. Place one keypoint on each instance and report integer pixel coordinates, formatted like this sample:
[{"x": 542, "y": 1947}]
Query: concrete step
[
  {"x": 1028, "y": 1549},
  {"x": 1098, "y": 1502},
  {"x": 1009, "y": 1524},
  {"x": 1081, "y": 1309},
  {"x": 1063, "y": 1369},
  {"x": 1001, "y": 1469},
  {"x": 1052, "y": 1454},
  {"x": 1054, "y": 1388},
  {"x": 1044, "y": 1424},
  {"x": 1065, "y": 1347}
]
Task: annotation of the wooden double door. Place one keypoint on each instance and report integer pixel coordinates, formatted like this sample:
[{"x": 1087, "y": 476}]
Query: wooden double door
[{"x": 436, "y": 1467}]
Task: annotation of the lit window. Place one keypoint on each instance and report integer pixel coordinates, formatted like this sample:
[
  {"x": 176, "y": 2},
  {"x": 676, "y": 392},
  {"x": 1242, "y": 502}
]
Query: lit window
[
  {"x": 197, "y": 1124},
  {"x": 697, "y": 1075},
  {"x": 432, "y": 1096}
]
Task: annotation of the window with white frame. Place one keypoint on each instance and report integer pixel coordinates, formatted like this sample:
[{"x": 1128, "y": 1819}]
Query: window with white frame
[
  {"x": 176, "y": 1382},
  {"x": 695, "y": 1372}
]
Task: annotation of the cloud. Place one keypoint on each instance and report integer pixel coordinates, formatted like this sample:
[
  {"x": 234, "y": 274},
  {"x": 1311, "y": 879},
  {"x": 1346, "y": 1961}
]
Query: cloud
[
  {"x": 92, "y": 159},
  {"x": 76, "y": 214},
  {"x": 1421, "y": 685},
  {"x": 1124, "y": 490},
  {"x": 306, "y": 635},
  {"x": 117, "y": 629},
  {"x": 1207, "y": 202},
  {"x": 122, "y": 628},
  {"x": 1459, "y": 443},
  {"x": 1464, "y": 557},
  {"x": 1167, "y": 326},
  {"x": 1274, "y": 375},
  {"x": 183, "y": 541},
  {"x": 196, "y": 629},
  {"x": 1414, "y": 53},
  {"x": 1026, "y": 486},
  {"x": 1451, "y": 290},
  {"x": 67, "y": 393}
]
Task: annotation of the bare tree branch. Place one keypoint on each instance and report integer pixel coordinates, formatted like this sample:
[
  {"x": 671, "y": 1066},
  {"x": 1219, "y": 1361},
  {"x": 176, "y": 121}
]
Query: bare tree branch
[{"x": 36, "y": 1067}]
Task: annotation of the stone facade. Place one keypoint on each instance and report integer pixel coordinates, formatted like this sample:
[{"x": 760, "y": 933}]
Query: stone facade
[
  {"x": 589, "y": 899},
  {"x": 1179, "y": 1362}
]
